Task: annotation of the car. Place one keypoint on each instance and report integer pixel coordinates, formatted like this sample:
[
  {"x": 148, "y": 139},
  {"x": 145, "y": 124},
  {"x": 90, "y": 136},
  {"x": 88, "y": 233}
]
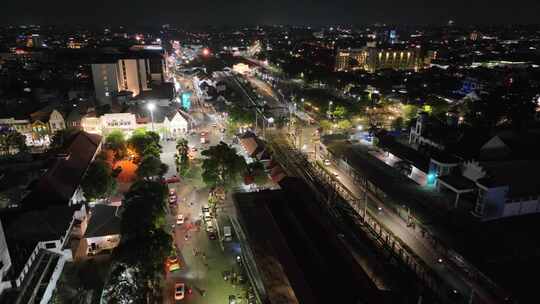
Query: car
[
  {"x": 173, "y": 199},
  {"x": 227, "y": 233},
  {"x": 173, "y": 264},
  {"x": 179, "y": 219},
  {"x": 173, "y": 179},
  {"x": 335, "y": 175},
  {"x": 172, "y": 192},
  {"x": 210, "y": 226},
  {"x": 205, "y": 208},
  {"x": 212, "y": 235},
  {"x": 179, "y": 289},
  {"x": 207, "y": 216},
  {"x": 232, "y": 299},
  {"x": 327, "y": 162}
]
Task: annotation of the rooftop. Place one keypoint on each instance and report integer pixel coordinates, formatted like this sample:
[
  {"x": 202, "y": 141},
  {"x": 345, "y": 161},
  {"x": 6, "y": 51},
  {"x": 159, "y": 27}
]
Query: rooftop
[
  {"x": 520, "y": 176},
  {"x": 24, "y": 229},
  {"x": 64, "y": 176},
  {"x": 308, "y": 257},
  {"x": 104, "y": 221}
]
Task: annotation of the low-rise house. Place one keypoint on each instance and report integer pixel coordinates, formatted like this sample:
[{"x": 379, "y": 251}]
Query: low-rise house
[
  {"x": 74, "y": 120},
  {"x": 47, "y": 121},
  {"x": 500, "y": 188},
  {"x": 103, "y": 230}
]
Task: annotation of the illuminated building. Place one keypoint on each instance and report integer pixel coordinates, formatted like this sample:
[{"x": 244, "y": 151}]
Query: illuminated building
[
  {"x": 133, "y": 73},
  {"x": 372, "y": 59},
  {"x": 34, "y": 41}
]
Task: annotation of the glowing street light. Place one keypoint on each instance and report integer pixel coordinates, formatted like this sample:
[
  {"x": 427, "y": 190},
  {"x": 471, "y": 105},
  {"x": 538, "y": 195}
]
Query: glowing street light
[{"x": 151, "y": 107}]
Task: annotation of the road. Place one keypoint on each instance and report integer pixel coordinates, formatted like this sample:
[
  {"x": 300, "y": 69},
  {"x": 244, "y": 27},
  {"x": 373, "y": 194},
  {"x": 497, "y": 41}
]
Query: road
[
  {"x": 202, "y": 260},
  {"x": 455, "y": 278}
]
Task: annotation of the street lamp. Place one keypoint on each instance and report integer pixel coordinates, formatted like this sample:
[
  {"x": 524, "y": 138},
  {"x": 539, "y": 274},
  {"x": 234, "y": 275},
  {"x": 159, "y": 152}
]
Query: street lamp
[{"x": 151, "y": 108}]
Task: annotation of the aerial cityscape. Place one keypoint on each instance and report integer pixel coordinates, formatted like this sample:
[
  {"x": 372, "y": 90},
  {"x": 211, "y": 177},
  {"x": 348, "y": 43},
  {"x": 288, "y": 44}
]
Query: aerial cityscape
[{"x": 269, "y": 152}]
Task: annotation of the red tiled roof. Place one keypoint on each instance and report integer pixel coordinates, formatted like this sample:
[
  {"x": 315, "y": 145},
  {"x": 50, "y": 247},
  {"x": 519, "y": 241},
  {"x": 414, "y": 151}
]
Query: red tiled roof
[{"x": 58, "y": 185}]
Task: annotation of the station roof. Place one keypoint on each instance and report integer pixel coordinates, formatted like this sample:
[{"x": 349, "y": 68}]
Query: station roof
[{"x": 298, "y": 249}]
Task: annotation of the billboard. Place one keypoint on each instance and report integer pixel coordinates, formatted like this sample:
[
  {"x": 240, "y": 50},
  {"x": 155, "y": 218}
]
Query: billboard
[{"x": 186, "y": 100}]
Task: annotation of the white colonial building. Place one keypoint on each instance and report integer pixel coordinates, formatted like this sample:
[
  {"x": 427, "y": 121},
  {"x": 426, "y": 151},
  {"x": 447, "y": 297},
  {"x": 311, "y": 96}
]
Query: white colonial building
[
  {"x": 126, "y": 122},
  {"x": 176, "y": 124}
]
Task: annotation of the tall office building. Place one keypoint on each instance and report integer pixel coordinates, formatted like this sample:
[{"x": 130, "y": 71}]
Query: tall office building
[{"x": 134, "y": 73}]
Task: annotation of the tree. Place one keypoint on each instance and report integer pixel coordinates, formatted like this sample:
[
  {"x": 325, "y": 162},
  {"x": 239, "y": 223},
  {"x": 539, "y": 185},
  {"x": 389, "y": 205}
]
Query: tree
[
  {"x": 150, "y": 166},
  {"x": 241, "y": 116},
  {"x": 12, "y": 142},
  {"x": 326, "y": 125},
  {"x": 98, "y": 181},
  {"x": 409, "y": 112},
  {"x": 486, "y": 112},
  {"x": 117, "y": 143},
  {"x": 339, "y": 112},
  {"x": 222, "y": 166},
  {"x": 344, "y": 124},
  {"x": 122, "y": 286},
  {"x": 181, "y": 157},
  {"x": 256, "y": 170},
  {"x": 144, "y": 245},
  {"x": 151, "y": 149},
  {"x": 143, "y": 208},
  {"x": 141, "y": 139},
  {"x": 397, "y": 124}
]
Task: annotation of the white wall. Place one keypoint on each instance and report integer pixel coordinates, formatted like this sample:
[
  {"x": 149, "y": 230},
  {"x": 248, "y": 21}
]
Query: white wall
[
  {"x": 518, "y": 208},
  {"x": 130, "y": 79},
  {"x": 104, "y": 242}
]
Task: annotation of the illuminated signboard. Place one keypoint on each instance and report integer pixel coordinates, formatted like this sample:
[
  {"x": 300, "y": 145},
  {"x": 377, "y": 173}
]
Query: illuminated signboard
[{"x": 186, "y": 100}]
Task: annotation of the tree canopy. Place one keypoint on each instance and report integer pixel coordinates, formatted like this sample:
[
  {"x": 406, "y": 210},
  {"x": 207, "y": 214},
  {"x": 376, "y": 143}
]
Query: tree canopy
[
  {"x": 116, "y": 141},
  {"x": 144, "y": 246},
  {"x": 12, "y": 142},
  {"x": 98, "y": 182},
  {"x": 256, "y": 170},
  {"x": 151, "y": 166},
  {"x": 141, "y": 139},
  {"x": 222, "y": 166}
]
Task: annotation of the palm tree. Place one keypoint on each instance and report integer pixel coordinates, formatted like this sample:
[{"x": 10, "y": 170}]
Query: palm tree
[{"x": 181, "y": 157}]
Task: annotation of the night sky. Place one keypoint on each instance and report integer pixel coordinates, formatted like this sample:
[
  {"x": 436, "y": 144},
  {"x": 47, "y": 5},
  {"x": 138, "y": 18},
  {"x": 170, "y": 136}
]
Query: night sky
[{"x": 314, "y": 12}]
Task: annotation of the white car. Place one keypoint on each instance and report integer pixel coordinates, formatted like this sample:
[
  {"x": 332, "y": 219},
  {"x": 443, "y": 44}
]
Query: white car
[
  {"x": 327, "y": 162},
  {"x": 179, "y": 219}
]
